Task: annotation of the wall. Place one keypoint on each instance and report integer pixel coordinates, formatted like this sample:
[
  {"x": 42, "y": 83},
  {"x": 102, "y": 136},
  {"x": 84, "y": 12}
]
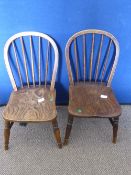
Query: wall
[{"x": 60, "y": 19}]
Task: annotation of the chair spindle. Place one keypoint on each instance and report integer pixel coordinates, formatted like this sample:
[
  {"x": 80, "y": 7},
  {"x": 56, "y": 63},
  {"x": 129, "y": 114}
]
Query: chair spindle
[
  {"x": 76, "y": 60},
  {"x": 32, "y": 61},
  {"x": 17, "y": 64},
  {"x": 84, "y": 55},
  {"x": 106, "y": 60},
  {"x": 91, "y": 57},
  {"x": 99, "y": 56},
  {"x": 47, "y": 58},
  {"x": 39, "y": 60},
  {"x": 24, "y": 57}
]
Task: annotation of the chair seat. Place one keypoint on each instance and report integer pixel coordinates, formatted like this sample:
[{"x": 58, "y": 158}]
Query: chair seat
[
  {"x": 93, "y": 100},
  {"x": 31, "y": 105}
]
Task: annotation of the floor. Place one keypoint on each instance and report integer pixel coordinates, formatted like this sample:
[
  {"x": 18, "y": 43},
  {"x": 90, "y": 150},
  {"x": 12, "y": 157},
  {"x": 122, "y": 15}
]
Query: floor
[{"x": 90, "y": 151}]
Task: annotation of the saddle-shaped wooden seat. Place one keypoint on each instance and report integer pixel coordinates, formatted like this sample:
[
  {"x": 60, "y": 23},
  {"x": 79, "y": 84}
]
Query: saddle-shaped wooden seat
[
  {"x": 31, "y": 105},
  {"x": 93, "y": 100}
]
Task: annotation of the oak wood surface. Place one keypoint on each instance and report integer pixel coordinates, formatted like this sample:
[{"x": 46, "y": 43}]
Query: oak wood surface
[
  {"x": 85, "y": 101},
  {"x": 23, "y": 105}
]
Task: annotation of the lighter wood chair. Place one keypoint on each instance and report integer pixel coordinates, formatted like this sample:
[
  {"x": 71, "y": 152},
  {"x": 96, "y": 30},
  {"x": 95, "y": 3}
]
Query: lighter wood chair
[
  {"x": 32, "y": 72},
  {"x": 91, "y": 57}
]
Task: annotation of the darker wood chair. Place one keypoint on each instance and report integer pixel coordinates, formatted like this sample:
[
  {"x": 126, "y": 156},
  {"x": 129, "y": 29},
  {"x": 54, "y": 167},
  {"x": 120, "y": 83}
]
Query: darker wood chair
[
  {"x": 91, "y": 57},
  {"x": 32, "y": 72}
]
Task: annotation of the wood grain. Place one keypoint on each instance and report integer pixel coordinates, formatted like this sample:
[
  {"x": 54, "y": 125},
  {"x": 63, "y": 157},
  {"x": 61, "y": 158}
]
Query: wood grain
[
  {"x": 86, "y": 97},
  {"x": 23, "y": 105}
]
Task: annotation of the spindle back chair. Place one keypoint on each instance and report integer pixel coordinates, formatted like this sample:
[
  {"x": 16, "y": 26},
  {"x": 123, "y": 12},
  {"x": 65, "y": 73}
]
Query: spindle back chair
[
  {"x": 91, "y": 57},
  {"x": 31, "y": 59},
  {"x": 88, "y": 74}
]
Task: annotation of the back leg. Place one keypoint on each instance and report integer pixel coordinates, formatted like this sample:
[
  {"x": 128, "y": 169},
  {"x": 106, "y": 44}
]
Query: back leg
[
  {"x": 68, "y": 129},
  {"x": 115, "y": 129},
  {"x": 23, "y": 124}
]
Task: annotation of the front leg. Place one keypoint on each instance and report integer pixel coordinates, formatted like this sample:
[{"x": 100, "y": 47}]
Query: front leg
[
  {"x": 57, "y": 132},
  {"x": 7, "y": 134}
]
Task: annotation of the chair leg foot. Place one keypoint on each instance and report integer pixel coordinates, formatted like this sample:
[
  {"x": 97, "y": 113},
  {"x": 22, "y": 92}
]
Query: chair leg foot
[
  {"x": 57, "y": 133},
  {"x": 65, "y": 142},
  {"x": 115, "y": 129},
  {"x": 6, "y": 134},
  {"x": 68, "y": 129}
]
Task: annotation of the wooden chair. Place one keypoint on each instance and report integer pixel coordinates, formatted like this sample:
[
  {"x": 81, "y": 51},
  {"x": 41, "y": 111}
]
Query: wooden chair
[
  {"x": 30, "y": 72},
  {"x": 91, "y": 57}
]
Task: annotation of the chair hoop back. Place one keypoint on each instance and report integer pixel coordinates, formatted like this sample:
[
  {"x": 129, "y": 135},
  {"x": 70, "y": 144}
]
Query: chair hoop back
[
  {"x": 73, "y": 41},
  {"x": 30, "y": 35}
]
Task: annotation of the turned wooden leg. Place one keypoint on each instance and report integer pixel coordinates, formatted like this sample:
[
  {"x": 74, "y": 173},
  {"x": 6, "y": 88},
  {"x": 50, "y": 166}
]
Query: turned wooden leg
[
  {"x": 57, "y": 133},
  {"x": 6, "y": 134},
  {"x": 68, "y": 129},
  {"x": 115, "y": 129}
]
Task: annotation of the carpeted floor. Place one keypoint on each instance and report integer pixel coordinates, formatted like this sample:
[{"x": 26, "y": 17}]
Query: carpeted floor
[{"x": 33, "y": 150}]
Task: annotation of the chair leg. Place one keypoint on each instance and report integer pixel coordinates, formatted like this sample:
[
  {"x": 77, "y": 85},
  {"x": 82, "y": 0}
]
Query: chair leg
[
  {"x": 115, "y": 129},
  {"x": 7, "y": 134},
  {"x": 68, "y": 129},
  {"x": 23, "y": 124},
  {"x": 57, "y": 133}
]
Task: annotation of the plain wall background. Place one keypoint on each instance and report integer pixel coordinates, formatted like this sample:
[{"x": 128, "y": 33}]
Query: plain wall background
[{"x": 60, "y": 19}]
